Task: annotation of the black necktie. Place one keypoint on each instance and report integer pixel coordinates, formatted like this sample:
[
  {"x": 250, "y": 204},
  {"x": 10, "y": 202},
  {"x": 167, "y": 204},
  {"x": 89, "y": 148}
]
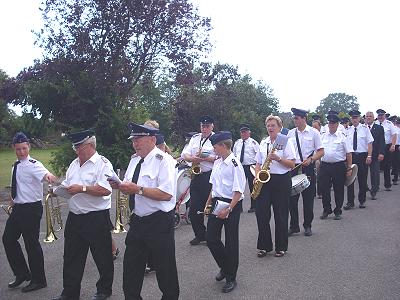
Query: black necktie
[
  {"x": 14, "y": 181},
  {"x": 135, "y": 178},
  {"x": 355, "y": 139},
  {"x": 369, "y": 127},
  {"x": 242, "y": 152}
]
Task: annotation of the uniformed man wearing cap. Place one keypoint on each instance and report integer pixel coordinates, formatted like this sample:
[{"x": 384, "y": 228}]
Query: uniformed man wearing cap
[
  {"x": 308, "y": 149},
  {"x": 245, "y": 149},
  {"x": 228, "y": 184},
  {"x": 326, "y": 127},
  {"x": 201, "y": 152},
  {"x": 360, "y": 137},
  {"x": 335, "y": 166},
  {"x": 27, "y": 179},
  {"x": 390, "y": 140},
  {"x": 88, "y": 225},
  {"x": 181, "y": 160},
  {"x": 345, "y": 121},
  {"x": 378, "y": 151},
  {"x": 150, "y": 180}
]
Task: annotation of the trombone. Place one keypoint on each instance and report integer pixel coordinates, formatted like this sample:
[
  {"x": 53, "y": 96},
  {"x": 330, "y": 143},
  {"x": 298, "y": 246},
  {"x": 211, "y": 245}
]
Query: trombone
[
  {"x": 122, "y": 210},
  {"x": 53, "y": 216}
]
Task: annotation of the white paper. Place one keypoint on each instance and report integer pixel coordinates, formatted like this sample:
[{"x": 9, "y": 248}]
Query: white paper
[
  {"x": 113, "y": 177},
  {"x": 219, "y": 205},
  {"x": 62, "y": 192},
  {"x": 281, "y": 141}
]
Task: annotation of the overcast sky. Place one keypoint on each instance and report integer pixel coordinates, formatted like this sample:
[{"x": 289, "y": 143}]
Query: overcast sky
[{"x": 303, "y": 49}]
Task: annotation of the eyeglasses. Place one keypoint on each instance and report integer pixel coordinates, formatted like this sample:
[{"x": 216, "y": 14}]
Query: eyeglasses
[{"x": 79, "y": 147}]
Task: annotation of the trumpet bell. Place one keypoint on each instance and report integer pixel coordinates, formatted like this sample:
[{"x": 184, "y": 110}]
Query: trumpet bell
[{"x": 196, "y": 170}]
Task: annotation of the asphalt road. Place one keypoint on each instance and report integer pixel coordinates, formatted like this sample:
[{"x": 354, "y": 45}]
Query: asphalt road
[{"x": 357, "y": 257}]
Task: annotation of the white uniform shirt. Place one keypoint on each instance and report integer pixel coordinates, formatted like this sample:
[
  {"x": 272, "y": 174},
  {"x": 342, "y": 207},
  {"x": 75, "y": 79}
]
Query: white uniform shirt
[
  {"x": 341, "y": 128},
  {"x": 364, "y": 137},
  {"x": 276, "y": 167},
  {"x": 389, "y": 129},
  {"x": 335, "y": 147},
  {"x": 250, "y": 150},
  {"x": 189, "y": 163},
  {"x": 227, "y": 177},
  {"x": 309, "y": 140},
  {"x": 157, "y": 171},
  {"x": 207, "y": 148},
  {"x": 398, "y": 136},
  {"x": 91, "y": 173},
  {"x": 30, "y": 174}
]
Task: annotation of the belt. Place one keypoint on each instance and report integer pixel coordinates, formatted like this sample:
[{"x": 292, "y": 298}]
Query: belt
[
  {"x": 333, "y": 163},
  {"x": 223, "y": 199},
  {"x": 29, "y": 203},
  {"x": 359, "y": 153},
  {"x": 151, "y": 216}
]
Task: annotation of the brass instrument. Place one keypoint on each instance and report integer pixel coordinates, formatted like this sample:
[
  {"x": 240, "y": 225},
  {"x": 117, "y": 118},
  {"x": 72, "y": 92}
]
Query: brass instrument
[
  {"x": 53, "y": 216},
  {"x": 7, "y": 209},
  {"x": 196, "y": 169},
  {"x": 263, "y": 176},
  {"x": 122, "y": 211}
]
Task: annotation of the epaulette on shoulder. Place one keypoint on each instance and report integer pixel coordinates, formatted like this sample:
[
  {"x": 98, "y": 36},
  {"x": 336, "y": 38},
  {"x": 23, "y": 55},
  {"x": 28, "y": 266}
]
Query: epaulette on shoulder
[
  {"x": 134, "y": 155},
  {"x": 33, "y": 161},
  {"x": 254, "y": 142},
  {"x": 197, "y": 134},
  {"x": 159, "y": 156},
  {"x": 234, "y": 162},
  {"x": 104, "y": 159},
  {"x": 390, "y": 122}
]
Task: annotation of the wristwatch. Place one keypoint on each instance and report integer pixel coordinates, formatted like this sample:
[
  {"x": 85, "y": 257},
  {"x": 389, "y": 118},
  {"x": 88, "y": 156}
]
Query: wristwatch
[
  {"x": 141, "y": 191},
  {"x": 84, "y": 188}
]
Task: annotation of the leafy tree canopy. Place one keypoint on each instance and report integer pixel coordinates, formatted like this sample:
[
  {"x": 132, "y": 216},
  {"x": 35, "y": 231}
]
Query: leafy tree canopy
[{"x": 339, "y": 102}]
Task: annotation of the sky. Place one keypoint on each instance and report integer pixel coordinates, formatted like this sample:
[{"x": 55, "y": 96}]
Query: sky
[{"x": 303, "y": 49}]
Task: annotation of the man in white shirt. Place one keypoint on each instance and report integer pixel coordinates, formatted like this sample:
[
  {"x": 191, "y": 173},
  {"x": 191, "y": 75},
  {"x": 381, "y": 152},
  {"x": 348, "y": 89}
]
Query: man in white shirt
[
  {"x": 28, "y": 175},
  {"x": 390, "y": 140},
  {"x": 396, "y": 154},
  {"x": 88, "y": 225},
  {"x": 245, "y": 149}
]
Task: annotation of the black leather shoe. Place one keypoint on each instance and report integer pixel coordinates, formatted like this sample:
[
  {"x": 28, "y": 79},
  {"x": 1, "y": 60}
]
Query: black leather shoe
[
  {"x": 18, "y": 280},
  {"x": 220, "y": 276},
  {"x": 337, "y": 217},
  {"x": 307, "y": 231},
  {"x": 324, "y": 216},
  {"x": 292, "y": 231},
  {"x": 196, "y": 241},
  {"x": 373, "y": 196},
  {"x": 33, "y": 286},
  {"x": 362, "y": 205},
  {"x": 348, "y": 206},
  {"x": 100, "y": 296},
  {"x": 229, "y": 286}
]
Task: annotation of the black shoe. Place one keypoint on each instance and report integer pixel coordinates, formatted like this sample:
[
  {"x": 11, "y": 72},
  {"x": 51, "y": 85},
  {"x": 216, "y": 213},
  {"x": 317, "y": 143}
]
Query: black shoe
[
  {"x": 395, "y": 183},
  {"x": 337, "y": 217},
  {"x": 324, "y": 215},
  {"x": 388, "y": 189},
  {"x": 307, "y": 231},
  {"x": 373, "y": 196},
  {"x": 348, "y": 206},
  {"x": 362, "y": 205},
  {"x": 149, "y": 270},
  {"x": 251, "y": 210},
  {"x": 292, "y": 231},
  {"x": 196, "y": 241},
  {"x": 220, "y": 276},
  {"x": 100, "y": 296},
  {"x": 229, "y": 286},
  {"x": 18, "y": 280},
  {"x": 33, "y": 286}
]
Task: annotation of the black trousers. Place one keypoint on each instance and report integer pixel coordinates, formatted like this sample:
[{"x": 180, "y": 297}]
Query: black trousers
[
  {"x": 375, "y": 177},
  {"x": 84, "y": 232},
  {"x": 396, "y": 163},
  {"x": 275, "y": 192},
  {"x": 250, "y": 180},
  {"x": 25, "y": 220},
  {"x": 359, "y": 159},
  {"x": 308, "y": 200},
  {"x": 226, "y": 256},
  {"x": 387, "y": 165},
  {"x": 332, "y": 174},
  {"x": 152, "y": 235},
  {"x": 200, "y": 188}
]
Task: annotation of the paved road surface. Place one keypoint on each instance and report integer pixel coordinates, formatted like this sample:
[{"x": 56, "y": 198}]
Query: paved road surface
[{"x": 355, "y": 258}]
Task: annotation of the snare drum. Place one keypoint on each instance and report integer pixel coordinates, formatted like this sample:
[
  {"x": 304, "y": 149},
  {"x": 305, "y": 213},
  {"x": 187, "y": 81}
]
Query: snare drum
[
  {"x": 183, "y": 186},
  {"x": 299, "y": 184}
]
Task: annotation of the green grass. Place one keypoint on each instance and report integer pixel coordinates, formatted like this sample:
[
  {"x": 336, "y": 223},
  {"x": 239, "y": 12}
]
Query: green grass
[{"x": 7, "y": 158}]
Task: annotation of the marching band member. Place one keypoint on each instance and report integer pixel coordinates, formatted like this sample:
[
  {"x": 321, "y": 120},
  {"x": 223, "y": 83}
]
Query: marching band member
[
  {"x": 245, "y": 149},
  {"x": 396, "y": 154},
  {"x": 326, "y": 127},
  {"x": 334, "y": 163},
  {"x": 308, "y": 150},
  {"x": 361, "y": 138},
  {"x": 378, "y": 151},
  {"x": 390, "y": 140},
  {"x": 150, "y": 180},
  {"x": 200, "y": 151},
  {"x": 317, "y": 125},
  {"x": 88, "y": 225},
  {"x": 27, "y": 210},
  {"x": 275, "y": 192},
  {"x": 228, "y": 184}
]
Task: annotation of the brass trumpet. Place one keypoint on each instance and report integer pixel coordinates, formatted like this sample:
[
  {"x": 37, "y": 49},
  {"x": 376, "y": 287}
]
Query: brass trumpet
[
  {"x": 122, "y": 211},
  {"x": 7, "y": 209},
  {"x": 53, "y": 216}
]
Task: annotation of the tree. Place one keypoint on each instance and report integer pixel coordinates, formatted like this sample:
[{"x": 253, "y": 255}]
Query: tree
[{"x": 339, "y": 102}]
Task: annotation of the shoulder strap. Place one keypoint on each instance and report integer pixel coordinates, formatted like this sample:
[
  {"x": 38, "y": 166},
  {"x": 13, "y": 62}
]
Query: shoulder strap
[{"x": 298, "y": 145}]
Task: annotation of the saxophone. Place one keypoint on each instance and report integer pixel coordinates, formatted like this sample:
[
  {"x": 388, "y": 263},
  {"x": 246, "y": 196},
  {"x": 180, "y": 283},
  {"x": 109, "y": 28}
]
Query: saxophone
[
  {"x": 196, "y": 169},
  {"x": 263, "y": 176}
]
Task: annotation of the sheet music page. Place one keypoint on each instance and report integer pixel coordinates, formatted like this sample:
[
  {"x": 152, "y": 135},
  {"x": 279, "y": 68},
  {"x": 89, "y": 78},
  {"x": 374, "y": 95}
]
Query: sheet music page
[
  {"x": 113, "y": 177},
  {"x": 61, "y": 191},
  {"x": 220, "y": 205}
]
